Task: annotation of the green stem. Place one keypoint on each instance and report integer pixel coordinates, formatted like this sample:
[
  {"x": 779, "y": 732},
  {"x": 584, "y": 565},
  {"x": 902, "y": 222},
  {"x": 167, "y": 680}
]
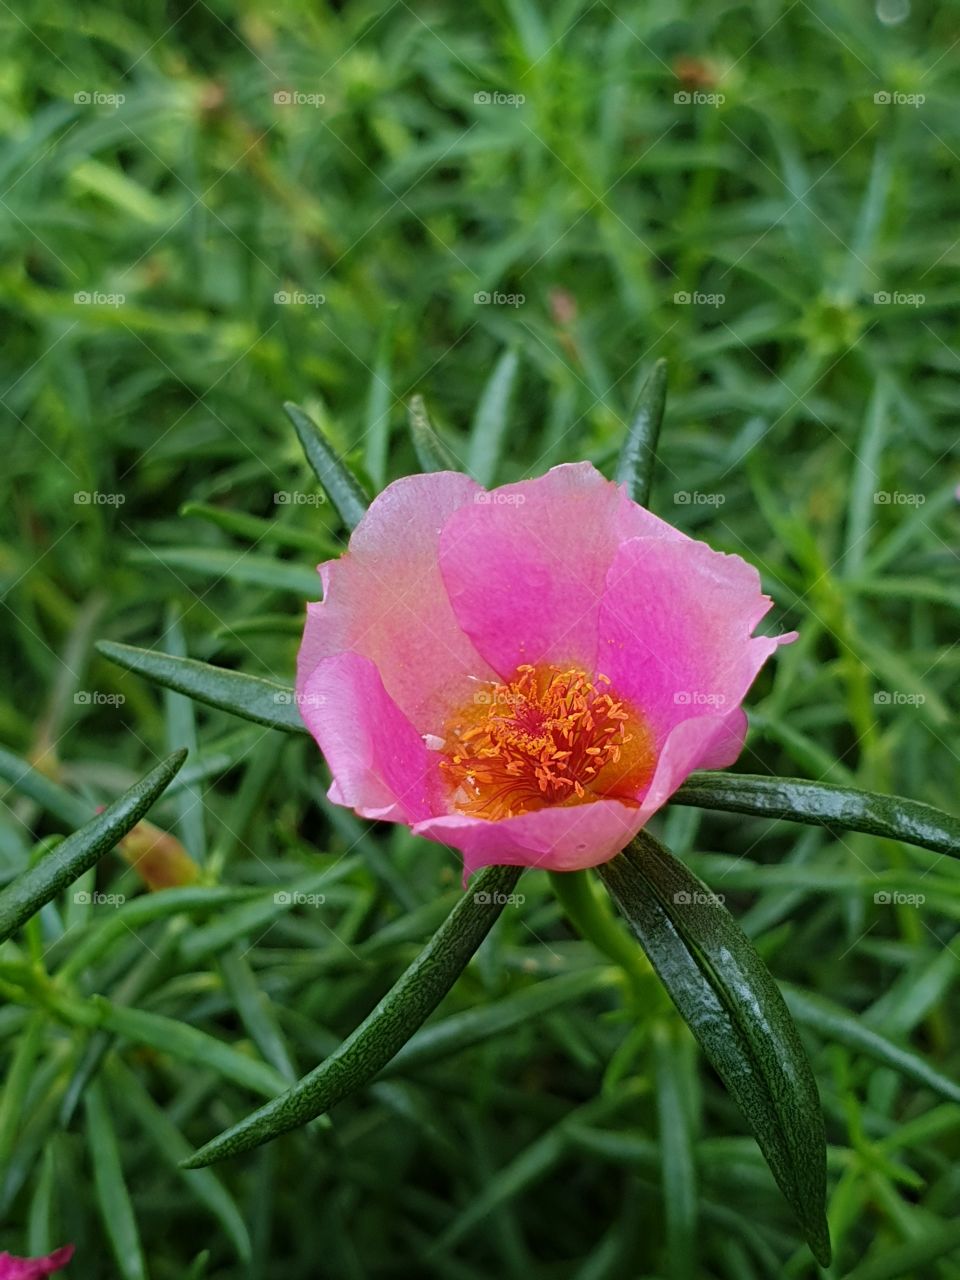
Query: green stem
[{"x": 591, "y": 914}]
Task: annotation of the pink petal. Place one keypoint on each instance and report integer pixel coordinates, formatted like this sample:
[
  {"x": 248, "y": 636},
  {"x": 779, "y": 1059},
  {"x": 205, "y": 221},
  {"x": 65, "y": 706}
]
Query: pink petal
[
  {"x": 380, "y": 765},
  {"x": 12, "y": 1268},
  {"x": 675, "y": 635},
  {"x": 525, "y": 565},
  {"x": 556, "y": 839},
  {"x": 385, "y": 599}
]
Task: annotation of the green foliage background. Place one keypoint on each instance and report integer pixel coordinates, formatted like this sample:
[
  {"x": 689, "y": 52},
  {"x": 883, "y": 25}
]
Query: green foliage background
[{"x": 810, "y": 427}]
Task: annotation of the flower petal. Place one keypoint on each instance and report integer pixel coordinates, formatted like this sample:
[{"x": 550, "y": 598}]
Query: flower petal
[
  {"x": 675, "y": 635},
  {"x": 557, "y": 839},
  {"x": 525, "y": 565},
  {"x": 12, "y": 1268},
  {"x": 380, "y": 765},
  {"x": 385, "y": 599}
]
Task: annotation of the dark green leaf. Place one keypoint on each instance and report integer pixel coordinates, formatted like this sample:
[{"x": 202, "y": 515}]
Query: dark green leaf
[
  {"x": 77, "y": 853},
  {"x": 433, "y": 454},
  {"x": 824, "y": 804},
  {"x": 731, "y": 1003},
  {"x": 341, "y": 484},
  {"x": 251, "y": 697},
  {"x": 384, "y": 1031},
  {"x": 638, "y": 456}
]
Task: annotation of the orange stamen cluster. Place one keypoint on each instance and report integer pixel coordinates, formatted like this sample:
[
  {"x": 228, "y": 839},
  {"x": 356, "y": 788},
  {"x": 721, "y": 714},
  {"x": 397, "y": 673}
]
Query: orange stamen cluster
[{"x": 550, "y": 736}]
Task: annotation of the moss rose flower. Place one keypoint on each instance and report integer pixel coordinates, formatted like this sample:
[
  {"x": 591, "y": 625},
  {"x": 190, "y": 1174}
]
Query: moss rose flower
[{"x": 526, "y": 674}]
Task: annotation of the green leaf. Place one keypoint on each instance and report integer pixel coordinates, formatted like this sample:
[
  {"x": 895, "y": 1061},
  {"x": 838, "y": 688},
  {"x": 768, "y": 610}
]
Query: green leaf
[
  {"x": 826, "y": 805},
  {"x": 235, "y": 566},
  {"x": 169, "y": 1035},
  {"x": 731, "y": 1003},
  {"x": 474, "y": 1026},
  {"x": 433, "y": 454},
  {"x": 638, "y": 456},
  {"x": 115, "y": 1207},
  {"x": 865, "y": 480},
  {"x": 78, "y": 853},
  {"x": 338, "y": 480},
  {"x": 913, "y": 1258},
  {"x": 836, "y": 1025},
  {"x": 379, "y": 403},
  {"x": 680, "y": 1199},
  {"x": 383, "y": 1032},
  {"x": 252, "y": 697},
  {"x": 30, "y": 782},
  {"x": 173, "y": 1146},
  {"x": 491, "y": 418}
]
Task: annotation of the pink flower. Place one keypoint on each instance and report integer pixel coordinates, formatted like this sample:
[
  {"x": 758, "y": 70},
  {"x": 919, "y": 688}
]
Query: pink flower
[
  {"x": 526, "y": 674},
  {"x": 12, "y": 1268}
]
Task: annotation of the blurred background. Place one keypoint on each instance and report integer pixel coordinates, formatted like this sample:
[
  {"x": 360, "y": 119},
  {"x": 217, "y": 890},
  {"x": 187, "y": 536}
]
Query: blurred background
[{"x": 207, "y": 209}]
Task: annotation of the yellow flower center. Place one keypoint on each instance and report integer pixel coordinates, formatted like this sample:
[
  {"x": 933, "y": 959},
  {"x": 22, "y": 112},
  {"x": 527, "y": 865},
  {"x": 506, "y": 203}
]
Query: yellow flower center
[{"x": 550, "y": 736}]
